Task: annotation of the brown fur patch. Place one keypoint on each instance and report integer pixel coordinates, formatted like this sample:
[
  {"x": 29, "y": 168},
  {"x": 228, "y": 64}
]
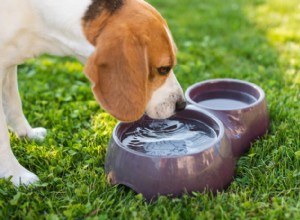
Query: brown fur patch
[
  {"x": 98, "y": 6},
  {"x": 129, "y": 47}
]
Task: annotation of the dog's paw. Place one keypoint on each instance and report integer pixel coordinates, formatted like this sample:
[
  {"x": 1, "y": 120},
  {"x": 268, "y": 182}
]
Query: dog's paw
[
  {"x": 25, "y": 178},
  {"x": 37, "y": 134},
  {"x": 21, "y": 176}
]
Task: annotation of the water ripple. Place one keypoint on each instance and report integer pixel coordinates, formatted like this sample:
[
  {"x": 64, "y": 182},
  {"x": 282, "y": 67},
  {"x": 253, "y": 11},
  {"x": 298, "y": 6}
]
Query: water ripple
[{"x": 169, "y": 137}]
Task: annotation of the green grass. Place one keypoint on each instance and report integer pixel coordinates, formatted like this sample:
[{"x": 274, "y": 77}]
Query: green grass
[{"x": 256, "y": 40}]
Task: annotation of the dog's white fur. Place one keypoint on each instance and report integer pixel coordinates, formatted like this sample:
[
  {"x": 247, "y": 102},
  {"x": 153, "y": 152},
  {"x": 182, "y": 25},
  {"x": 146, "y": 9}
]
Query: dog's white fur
[{"x": 29, "y": 28}]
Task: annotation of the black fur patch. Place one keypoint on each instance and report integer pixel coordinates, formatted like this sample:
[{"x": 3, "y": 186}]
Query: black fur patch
[{"x": 97, "y": 7}]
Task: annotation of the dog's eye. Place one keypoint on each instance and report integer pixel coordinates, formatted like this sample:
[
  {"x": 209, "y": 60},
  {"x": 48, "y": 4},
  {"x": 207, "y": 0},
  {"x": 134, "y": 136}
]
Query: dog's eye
[{"x": 164, "y": 70}]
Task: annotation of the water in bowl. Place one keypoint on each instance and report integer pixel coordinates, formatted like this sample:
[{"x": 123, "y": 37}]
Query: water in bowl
[
  {"x": 171, "y": 137},
  {"x": 225, "y": 99}
]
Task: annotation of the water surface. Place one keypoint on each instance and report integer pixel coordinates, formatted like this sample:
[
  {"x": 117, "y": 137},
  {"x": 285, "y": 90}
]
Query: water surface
[
  {"x": 225, "y": 99},
  {"x": 169, "y": 137}
]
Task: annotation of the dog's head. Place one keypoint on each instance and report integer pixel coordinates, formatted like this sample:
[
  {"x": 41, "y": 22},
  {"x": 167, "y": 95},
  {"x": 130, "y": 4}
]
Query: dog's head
[{"x": 131, "y": 67}]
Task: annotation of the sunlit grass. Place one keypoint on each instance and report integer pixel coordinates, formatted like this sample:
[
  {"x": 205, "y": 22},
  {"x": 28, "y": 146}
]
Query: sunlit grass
[
  {"x": 280, "y": 20},
  {"x": 255, "y": 40}
]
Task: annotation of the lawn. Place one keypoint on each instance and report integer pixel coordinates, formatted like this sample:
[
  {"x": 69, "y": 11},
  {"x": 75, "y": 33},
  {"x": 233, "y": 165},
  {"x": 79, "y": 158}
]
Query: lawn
[{"x": 257, "y": 40}]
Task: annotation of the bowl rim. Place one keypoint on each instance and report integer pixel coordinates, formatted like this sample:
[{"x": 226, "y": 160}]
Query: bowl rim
[
  {"x": 225, "y": 80},
  {"x": 189, "y": 107}
]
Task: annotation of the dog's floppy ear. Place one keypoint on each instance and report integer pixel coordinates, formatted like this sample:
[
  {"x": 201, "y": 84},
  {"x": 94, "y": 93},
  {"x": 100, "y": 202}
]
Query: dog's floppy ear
[{"x": 118, "y": 70}]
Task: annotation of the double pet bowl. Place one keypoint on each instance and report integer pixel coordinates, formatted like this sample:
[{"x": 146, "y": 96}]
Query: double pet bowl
[{"x": 233, "y": 113}]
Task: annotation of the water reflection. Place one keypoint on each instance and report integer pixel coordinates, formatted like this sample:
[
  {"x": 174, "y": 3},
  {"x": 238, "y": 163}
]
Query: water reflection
[{"x": 169, "y": 137}]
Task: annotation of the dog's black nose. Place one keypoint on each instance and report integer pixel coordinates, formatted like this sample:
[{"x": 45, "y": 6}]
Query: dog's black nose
[{"x": 180, "y": 106}]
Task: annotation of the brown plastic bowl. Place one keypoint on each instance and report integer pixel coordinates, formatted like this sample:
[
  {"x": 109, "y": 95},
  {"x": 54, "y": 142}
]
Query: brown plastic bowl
[
  {"x": 211, "y": 168},
  {"x": 240, "y": 105}
]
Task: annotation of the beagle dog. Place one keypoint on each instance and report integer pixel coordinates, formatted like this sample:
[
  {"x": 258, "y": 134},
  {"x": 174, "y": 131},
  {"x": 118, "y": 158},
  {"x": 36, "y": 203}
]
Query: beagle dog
[{"x": 125, "y": 45}]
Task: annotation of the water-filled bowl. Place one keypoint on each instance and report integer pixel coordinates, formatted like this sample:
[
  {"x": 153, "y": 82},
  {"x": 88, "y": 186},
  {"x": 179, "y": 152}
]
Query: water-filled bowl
[
  {"x": 240, "y": 105},
  {"x": 188, "y": 152}
]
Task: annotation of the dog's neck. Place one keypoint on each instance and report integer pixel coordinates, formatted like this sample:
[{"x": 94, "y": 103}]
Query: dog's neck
[{"x": 59, "y": 29}]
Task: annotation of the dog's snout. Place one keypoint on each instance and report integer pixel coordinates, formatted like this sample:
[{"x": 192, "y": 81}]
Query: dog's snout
[{"x": 180, "y": 106}]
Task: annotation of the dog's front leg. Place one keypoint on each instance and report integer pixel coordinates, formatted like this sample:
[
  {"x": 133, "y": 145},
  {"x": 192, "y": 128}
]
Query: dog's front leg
[
  {"x": 13, "y": 108},
  {"x": 9, "y": 165}
]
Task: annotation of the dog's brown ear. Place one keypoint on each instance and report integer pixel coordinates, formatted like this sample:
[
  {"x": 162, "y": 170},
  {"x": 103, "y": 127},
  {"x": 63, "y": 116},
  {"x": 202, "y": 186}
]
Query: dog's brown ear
[{"x": 118, "y": 71}]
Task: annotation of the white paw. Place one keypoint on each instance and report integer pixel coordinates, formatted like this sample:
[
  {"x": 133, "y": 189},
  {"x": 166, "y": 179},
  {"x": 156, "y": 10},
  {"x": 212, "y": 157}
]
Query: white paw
[
  {"x": 37, "y": 134},
  {"x": 25, "y": 178},
  {"x": 20, "y": 175}
]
